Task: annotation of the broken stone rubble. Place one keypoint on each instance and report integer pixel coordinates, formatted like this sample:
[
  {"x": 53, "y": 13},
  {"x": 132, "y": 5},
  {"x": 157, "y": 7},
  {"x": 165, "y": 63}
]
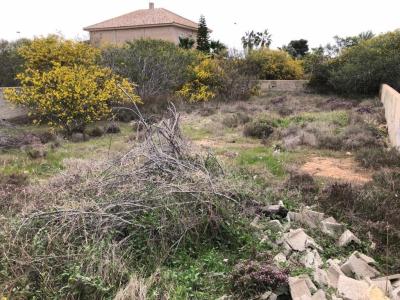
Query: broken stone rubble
[
  {"x": 351, "y": 279},
  {"x": 347, "y": 238},
  {"x": 298, "y": 240},
  {"x": 311, "y": 259},
  {"x": 307, "y": 217},
  {"x": 279, "y": 258},
  {"x": 358, "y": 266},
  {"x": 352, "y": 289},
  {"x": 331, "y": 227}
]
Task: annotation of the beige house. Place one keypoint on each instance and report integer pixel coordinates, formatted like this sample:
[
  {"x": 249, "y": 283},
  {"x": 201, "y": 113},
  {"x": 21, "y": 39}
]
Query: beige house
[{"x": 151, "y": 23}]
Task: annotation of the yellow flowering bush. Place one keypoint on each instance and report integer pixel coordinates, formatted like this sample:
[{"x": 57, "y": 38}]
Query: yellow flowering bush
[
  {"x": 275, "y": 64},
  {"x": 64, "y": 87},
  {"x": 206, "y": 80}
]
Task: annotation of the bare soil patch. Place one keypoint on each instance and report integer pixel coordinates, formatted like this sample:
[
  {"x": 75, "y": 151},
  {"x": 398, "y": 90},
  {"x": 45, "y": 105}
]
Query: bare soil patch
[
  {"x": 342, "y": 169},
  {"x": 210, "y": 144}
]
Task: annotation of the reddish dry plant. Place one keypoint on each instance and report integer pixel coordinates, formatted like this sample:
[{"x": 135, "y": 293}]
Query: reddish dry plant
[{"x": 252, "y": 277}]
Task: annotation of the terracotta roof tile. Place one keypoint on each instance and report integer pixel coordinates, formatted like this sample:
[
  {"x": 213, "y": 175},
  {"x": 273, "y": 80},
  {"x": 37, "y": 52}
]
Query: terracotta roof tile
[{"x": 143, "y": 18}]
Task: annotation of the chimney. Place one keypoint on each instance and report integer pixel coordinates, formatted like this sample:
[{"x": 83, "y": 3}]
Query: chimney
[{"x": 151, "y": 5}]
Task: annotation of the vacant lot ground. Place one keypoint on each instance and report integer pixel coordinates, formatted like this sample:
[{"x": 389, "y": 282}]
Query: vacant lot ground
[{"x": 303, "y": 149}]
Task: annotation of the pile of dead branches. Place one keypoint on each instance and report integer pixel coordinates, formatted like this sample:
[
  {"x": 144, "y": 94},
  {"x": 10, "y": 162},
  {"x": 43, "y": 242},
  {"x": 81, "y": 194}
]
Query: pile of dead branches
[{"x": 143, "y": 205}]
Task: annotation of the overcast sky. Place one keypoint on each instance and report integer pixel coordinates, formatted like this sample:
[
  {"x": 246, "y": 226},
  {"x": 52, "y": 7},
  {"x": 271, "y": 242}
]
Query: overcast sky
[{"x": 315, "y": 20}]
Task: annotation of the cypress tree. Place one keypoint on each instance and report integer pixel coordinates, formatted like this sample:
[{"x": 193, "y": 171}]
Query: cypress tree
[{"x": 203, "y": 38}]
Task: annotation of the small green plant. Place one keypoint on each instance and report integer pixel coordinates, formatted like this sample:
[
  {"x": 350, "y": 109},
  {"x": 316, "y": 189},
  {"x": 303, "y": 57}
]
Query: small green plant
[
  {"x": 260, "y": 128},
  {"x": 96, "y": 131},
  {"x": 297, "y": 271},
  {"x": 263, "y": 156},
  {"x": 81, "y": 286}
]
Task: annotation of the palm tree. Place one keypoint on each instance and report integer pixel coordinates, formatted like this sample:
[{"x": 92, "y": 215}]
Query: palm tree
[
  {"x": 186, "y": 42},
  {"x": 253, "y": 39},
  {"x": 264, "y": 38},
  {"x": 217, "y": 47}
]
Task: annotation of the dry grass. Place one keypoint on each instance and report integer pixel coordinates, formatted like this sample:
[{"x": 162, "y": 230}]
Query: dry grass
[{"x": 136, "y": 289}]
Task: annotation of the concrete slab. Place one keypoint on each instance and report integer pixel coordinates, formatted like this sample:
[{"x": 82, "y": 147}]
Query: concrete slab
[
  {"x": 347, "y": 238},
  {"x": 331, "y": 227},
  {"x": 320, "y": 276},
  {"x": 298, "y": 240},
  {"x": 357, "y": 266},
  {"x": 334, "y": 272},
  {"x": 308, "y": 217},
  {"x": 311, "y": 259},
  {"x": 299, "y": 289},
  {"x": 351, "y": 289},
  {"x": 319, "y": 295}
]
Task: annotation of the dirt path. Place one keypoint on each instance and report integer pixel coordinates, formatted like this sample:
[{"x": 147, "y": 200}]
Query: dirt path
[
  {"x": 344, "y": 169},
  {"x": 209, "y": 143}
]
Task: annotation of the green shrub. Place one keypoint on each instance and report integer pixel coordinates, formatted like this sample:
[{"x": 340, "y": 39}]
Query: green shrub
[
  {"x": 260, "y": 128},
  {"x": 361, "y": 68},
  {"x": 274, "y": 64},
  {"x": 360, "y": 135},
  {"x": 236, "y": 119},
  {"x": 96, "y": 131},
  {"x": 64, "y": 87},
  {"x": 112, "y": 128},
  {"x": 378, "y": 157},
  {"x": 301, "y": 181},
  {"x": 226, "y": 79},
  {"x": 237, "y": 79},
  {"x": 11, "y": 62},
  {"x": 158, "y": 67}
]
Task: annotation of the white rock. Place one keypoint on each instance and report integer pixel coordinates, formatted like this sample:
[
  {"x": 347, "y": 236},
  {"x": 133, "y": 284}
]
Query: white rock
[
  {"x": 273, "y": 296},
  {"x": 320, "y": 276},
  {"x": 299, "y": 289},
  {"x": 319, "y": 295},
  {"x": 310, "y": 284},
  {"x": 225, "y": 297},
  {"x": 348, "y": 237},
  {"x": 334, "y": 261},
  {"x": 396, "y": 293},
  {"x": 393, "y": 278},
  {"x": 351, "y": 289},
  {"x": 311, "y": 259},
  {"x": 358, "y": 266},
  {"x": 331, "y": 227},
  {"x": 308, "y": 217},
  {"x": 396, "y": 283},
  {"x": 280, "y": 258},
  {"x": 266, "y": 295},
  {"x": 298, "y": 240},
  {"x": 333, "y": 273}
]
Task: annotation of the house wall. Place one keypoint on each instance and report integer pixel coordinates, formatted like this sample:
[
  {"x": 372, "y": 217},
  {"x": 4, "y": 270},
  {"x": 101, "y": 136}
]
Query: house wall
[
  {"x": 120, "y": 36},
  {"x": 391, "y": 101}
]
